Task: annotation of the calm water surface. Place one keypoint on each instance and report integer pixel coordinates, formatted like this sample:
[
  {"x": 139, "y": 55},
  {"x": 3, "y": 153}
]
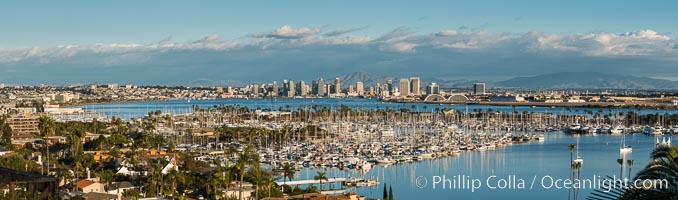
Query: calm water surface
[
  {"x": 139, "y": 109},
  {"x": 524, "y": 161}
]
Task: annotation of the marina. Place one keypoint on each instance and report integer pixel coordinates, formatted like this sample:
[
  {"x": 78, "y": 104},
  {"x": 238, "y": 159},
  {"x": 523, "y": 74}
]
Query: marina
[{"x": 361, "y": 150}]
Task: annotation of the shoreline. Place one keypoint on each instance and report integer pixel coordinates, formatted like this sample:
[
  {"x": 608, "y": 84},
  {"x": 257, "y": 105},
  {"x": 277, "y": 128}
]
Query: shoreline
[
  {"x": 608, "y": 105},
  {"x": 109, "y": 102},
  {"x": 629, "y": 105}
]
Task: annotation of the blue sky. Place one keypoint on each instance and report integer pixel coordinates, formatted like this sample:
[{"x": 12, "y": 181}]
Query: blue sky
[
  {"x": 27, "y": 23},
  {"x": 225, "y": 42}
]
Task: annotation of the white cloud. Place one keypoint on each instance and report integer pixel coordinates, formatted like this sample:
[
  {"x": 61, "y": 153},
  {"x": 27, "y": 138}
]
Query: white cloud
[
  {"x": 289, "y": 32},
  {"x": 448, "y": 32},
  {"x": 296, "y": 47},
  {"x": 646, "y": 34}
]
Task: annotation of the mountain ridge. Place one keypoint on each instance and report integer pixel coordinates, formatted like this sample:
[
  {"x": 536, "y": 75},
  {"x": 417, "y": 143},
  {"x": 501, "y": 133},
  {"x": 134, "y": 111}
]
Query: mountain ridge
[{"x": 588, "y": 80}]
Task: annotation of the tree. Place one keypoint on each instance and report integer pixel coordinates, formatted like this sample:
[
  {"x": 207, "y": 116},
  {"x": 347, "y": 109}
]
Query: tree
[
  {"x": 175, "y": 177},
  {"x": 65, "y": 176},
  {"x": 288, "y": 172},
  {"x": 259, "y": 178},
  {"x": 107, "y": 176},
  {"x": 571, "y": 148},
  {"x": 577, "y": 166},
  {"x": 6, "y": 134},
  {"x": 320, "y": 176},
  {"x": 630, "y": 163},
  {"x": 662, "y": 169},
  {"x": 171, "y": 146},
  {"x": 46, "y": 126},
  {"x": 247, "y": 157}
]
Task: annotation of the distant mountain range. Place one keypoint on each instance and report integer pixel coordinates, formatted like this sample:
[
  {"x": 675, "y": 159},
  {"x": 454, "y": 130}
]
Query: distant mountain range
[
  {"x": 561, "y": 80},
  {"x": 370, "y": 80},
  {"x": 593, "y": 80}
]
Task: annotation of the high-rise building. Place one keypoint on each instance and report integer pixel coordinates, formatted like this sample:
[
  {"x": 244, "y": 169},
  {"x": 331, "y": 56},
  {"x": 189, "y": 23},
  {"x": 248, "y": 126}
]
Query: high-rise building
[
  {"x": 404, "y": 87},
  {"x": 255, "y": 89},
  {"x": 359, "y": 88},
  {"x": 314, "y": 87},
  {"x": 301, "y": 88},
  {"x": 318, "y": 87},
  {"x": 479, "y": 88},
  {"x": 337, "y": 86},
  {"x": 288, "y": 88},
  {"x": 389, "y": 86},
  {"x": 328, "y": 89},
  {"x": 415, "y": 84},
  {"x": 432, "y": 89},
  {"x": 274, "y": 90},
  {"x": 351, "y": 89}
]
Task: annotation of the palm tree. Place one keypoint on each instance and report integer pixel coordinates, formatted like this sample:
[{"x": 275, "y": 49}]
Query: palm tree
[
  {"x": 156, "y": 176},
  {"x": 259, "y": 178},
  {"x": 577, "y": 166},
  {"x": 630, "y": 163},
  {"x": 65, "y": 175},
  {"x": 288, "y": 172},
  {"x": 571, "y": 148},
  {"x": 107, "y": 176},
  {"x": 175, "y": 177},
  {"x": 46, "y": 126},
  {"x": 247, "y": 157},
  {"x": 662, "y": 171},
  {"x": 320, "y": 176}
]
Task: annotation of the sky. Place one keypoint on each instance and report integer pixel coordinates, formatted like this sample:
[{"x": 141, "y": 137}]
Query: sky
[{"x": 178, "y": 42}]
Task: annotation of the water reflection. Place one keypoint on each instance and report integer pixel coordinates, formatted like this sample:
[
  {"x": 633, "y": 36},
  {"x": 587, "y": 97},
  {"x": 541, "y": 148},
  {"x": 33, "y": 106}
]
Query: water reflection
[
  {"x": 526, "y": 161},
  {"x": 139, "y": 109}
]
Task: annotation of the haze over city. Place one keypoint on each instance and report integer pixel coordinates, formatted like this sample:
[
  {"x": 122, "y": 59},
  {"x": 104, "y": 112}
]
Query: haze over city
[{"x": 244, "y": 42}]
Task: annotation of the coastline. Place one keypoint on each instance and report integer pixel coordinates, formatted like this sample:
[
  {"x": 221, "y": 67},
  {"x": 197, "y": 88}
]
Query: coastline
[
  {"x": 627, "y": 105},
  {"x": 109, "y": 102}
]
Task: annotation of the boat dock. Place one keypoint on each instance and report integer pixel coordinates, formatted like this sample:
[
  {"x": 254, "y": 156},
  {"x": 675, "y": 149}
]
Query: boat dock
[{"x": 307, "y": 182}]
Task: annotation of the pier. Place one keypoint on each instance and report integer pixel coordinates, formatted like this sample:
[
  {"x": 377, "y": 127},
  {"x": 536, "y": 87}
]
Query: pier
[{"x": 307, "y": 182}]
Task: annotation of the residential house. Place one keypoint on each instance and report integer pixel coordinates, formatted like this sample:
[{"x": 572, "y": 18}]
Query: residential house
[{"x": 87, "y": 186}]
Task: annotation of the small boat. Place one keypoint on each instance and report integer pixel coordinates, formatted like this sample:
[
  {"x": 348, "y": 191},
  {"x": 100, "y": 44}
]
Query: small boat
[
  {"x": 617, "y": 130},
  {"x": 579, "y": 160},
  {"x": 384, "y": 160},
  {"x": 624, "y": 148},
  {"x": 481, "y": 148}
]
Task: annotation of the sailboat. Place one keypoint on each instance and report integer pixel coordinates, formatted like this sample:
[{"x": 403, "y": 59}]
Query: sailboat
[
  {"x": 578, "y": 159},
  {"x": 624, "y": 148}
]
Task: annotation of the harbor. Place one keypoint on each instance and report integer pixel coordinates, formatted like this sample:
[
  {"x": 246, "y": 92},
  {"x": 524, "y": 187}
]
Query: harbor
[{"x": 363, "y": 149}]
